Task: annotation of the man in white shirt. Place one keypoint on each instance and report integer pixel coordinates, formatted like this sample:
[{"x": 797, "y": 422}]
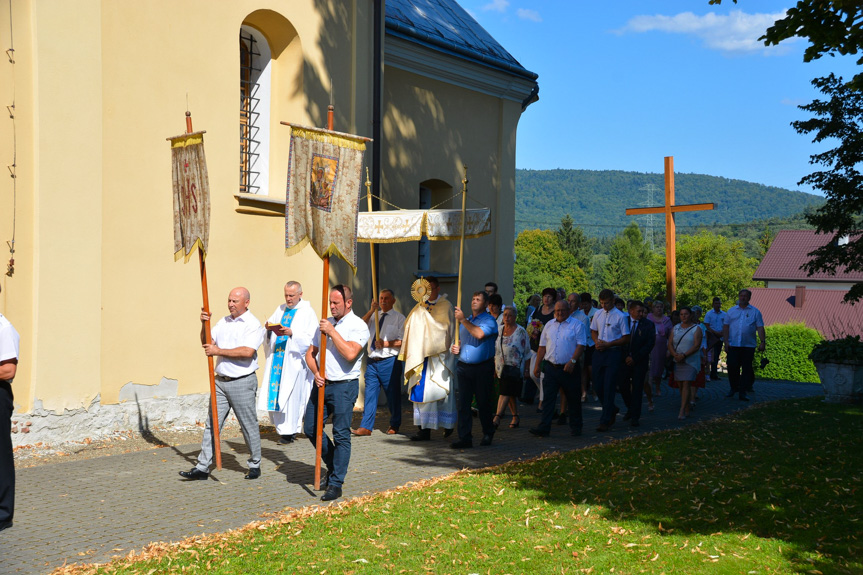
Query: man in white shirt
[
  {"x": 287, "y": 380},
  {"x": 236, "y": 339},
  {"x": 561, "y": 344},
  {"x": 347, "y": 335},
  {"x": 714, "y": 320},
  {"x": 9, "y": 343},
  {"x": 609, "y": 328},
  {"x": 383, "y": 369},
  {"x": 738, "y": 331}
]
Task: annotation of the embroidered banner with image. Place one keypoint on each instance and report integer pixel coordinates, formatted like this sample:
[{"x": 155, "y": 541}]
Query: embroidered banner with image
[
  {"x": 324, "y": 184},
  {"x": 191, "y": 195}
]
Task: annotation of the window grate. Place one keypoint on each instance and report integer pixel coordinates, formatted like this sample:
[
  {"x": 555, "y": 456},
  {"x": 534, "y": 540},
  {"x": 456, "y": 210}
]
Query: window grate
[{"x": 250, "y": 57}]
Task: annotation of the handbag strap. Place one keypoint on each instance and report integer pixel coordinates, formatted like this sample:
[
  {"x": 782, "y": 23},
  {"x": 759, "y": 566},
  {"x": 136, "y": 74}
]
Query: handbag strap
[{"x": 684, "y": 335}]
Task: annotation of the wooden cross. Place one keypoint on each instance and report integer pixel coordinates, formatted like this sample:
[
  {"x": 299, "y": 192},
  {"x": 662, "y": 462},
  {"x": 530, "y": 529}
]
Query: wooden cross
[{"x": 669, "y": 209}]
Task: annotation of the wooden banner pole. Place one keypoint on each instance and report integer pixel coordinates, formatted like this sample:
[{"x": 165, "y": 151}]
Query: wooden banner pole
[
  {"x": 461, "y": 247},
  {"x": 372, "y": 250},
  {"x": 322, "y": 356},
  {"x": 214, "y": 417}
]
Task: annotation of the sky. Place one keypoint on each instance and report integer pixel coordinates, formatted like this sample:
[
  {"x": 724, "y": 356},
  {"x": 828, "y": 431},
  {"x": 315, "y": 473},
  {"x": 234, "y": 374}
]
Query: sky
[{"x": 624, "y": 83}]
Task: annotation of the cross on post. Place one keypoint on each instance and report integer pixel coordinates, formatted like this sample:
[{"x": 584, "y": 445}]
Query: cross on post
[{"x": 669, "y": 209}]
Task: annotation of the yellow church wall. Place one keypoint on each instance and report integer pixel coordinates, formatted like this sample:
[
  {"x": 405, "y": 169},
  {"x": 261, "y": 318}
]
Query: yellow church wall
[
  {"x": 108, "y": 302},
  {"x": 16, "y": 83},
  {"x": 431, "y": 130}
]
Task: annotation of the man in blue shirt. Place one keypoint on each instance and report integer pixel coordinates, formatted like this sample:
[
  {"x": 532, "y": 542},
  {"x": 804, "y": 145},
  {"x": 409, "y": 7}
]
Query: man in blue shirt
[
  {"x": 475, "y": 369},
  {"x": 741, "y": 324}
]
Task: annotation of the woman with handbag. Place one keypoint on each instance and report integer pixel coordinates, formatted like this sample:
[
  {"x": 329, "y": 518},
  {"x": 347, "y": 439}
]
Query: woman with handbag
[
  {"x": 511, "y": 353},
  {"x": 685, "y": 347}
]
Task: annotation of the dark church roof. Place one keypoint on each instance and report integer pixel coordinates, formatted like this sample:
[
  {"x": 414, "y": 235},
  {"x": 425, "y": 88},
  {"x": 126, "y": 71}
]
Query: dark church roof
[
  {"x": 446, "y": 27},
  {"x": 789, "y": 251}
]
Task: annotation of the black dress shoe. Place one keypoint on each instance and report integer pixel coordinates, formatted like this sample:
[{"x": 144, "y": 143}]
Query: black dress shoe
[
  {"x": 5, "y": 524},
  {"x": 562, "y": 419},
  {"x": 462, "y": 444},
  {"x": 743, "y": 397},
  {"x": 421, "y": 435},
  {"x": 286, "y": 439},
  {"x": 447, "y": 433},
  {"x": 634, "y": 423},
  {"x": 195, "y": 473},
  {"x": 730, "y": 394},
  {"x": 537, "y": 432},
  {"x": 575, "y": 432},
  {"x": 627, "y": 417},
  {"x": 254, "y": 473},
  {"x": 603, "y": 428},
  {"x": 332, "y": 493},
  {"x": 486, "y": 440}
]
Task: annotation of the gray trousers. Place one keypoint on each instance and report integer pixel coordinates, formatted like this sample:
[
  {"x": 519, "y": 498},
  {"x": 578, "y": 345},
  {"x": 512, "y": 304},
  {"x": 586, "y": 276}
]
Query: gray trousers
[{"x": 238, "y": 395}]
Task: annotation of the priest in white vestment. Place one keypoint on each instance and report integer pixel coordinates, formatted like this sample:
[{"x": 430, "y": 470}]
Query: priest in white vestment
[
  {"x": 429, "y": 371},
  {"x": 287, "y": 381}
]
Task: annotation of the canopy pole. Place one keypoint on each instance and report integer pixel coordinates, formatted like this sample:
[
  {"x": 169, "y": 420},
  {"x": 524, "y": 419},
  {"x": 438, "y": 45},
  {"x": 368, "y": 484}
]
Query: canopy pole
[
  {"x": 461, "y": 246},
  {"x": 322, "y": 357},
  {"x": 372, "y": 250},
  {"x": 208, "y": 337}
]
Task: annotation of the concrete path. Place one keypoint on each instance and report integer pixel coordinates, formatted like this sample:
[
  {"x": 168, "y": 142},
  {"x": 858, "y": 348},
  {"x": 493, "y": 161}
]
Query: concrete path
[{"x": 88, "y": 511}]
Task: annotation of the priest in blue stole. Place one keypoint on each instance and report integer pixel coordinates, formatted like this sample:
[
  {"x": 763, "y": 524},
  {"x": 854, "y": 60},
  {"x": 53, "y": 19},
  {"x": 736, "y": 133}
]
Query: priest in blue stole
[{"x": 287, "y": 381}]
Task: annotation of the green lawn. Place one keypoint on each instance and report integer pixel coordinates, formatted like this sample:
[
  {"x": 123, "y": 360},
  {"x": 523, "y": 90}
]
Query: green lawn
[{"x": 774, "y": 489}]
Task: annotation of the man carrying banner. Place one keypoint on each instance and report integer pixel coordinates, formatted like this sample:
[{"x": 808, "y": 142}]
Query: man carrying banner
[
  {"x": 287, "y": 380},
  {"x": 346, "y": 336},
  {"x": 236, "y": 339},
  {"x": 429, "y": 331}
]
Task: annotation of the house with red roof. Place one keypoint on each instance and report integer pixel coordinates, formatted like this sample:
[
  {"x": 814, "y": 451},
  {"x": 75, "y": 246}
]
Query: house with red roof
[{"x": 790, "y": 295}]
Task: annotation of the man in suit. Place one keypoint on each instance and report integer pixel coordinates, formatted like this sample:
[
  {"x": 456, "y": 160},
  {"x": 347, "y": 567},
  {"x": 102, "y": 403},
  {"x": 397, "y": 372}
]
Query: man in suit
[{"x": 636, "y": 360}]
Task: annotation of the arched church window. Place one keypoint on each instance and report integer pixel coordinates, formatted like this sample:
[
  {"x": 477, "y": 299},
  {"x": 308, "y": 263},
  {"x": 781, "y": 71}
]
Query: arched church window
[{"x": 255, "y": 89}]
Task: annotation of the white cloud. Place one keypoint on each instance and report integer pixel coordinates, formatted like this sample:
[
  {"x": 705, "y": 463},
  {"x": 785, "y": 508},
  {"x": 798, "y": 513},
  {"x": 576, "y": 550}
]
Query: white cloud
[
  {"x": 734, "y": 32},
  {"x": 531, "y": 15},
  {"x": 497, "y": 5}
]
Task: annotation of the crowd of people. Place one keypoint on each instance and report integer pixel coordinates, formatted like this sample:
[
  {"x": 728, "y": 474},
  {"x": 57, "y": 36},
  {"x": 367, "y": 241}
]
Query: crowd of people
[{"x": 459, "y": 363}]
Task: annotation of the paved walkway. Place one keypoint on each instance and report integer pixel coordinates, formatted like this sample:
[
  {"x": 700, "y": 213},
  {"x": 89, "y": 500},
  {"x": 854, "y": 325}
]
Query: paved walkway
[{"x": 91, "y": 510}]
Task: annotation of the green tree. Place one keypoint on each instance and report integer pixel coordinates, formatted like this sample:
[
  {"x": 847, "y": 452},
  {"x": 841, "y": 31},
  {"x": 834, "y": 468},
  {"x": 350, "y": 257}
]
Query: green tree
[
  {"x": 627, "y": 264},
  {"x": 540, "y": 262},
  {"x": 573, "y": 240},
  {"x": 707, "y": 265},
  {"x": 832, "y": 27}
]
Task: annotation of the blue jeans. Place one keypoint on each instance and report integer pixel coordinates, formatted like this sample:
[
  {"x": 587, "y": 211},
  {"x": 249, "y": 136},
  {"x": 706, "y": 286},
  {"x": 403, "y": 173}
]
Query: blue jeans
[
  {"x": 386, "y": 373},
  {"x": 606, "y": 373},
  {"x": 339, "y": 399},
  {"x": 570, "y": 384}
]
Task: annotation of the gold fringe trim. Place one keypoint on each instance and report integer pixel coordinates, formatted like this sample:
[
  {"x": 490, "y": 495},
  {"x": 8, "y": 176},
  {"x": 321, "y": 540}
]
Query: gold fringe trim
[
  {"x": 297, "y": 247},
  {"x": 391, "y": 240},
  {"x": 199, "y": 244},
  {"x": 190, "y": 140},
  {"x": 328, "y": 139}
]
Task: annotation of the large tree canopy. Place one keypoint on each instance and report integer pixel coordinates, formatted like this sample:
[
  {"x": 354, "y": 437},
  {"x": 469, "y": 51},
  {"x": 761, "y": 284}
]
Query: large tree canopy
[
  {"x": 540, "y": 262},
  {"x": 833, "y": 27}
]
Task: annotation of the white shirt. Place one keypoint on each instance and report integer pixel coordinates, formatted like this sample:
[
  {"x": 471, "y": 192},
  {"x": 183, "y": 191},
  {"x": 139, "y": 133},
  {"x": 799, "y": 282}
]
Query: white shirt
[
  {"x": 585, "y": 319},
  {"x": 392, "y": 329},
  {"x": 9, "y": 340},
  {"x": 715, "y": 319},
  {"x": 230, "y": 333},
  {"x": 610, "y": 325},
  {"x": 560, "y": 339},
  {"x": 351, "y": 328},
  {"x": 742, "y": 323}
]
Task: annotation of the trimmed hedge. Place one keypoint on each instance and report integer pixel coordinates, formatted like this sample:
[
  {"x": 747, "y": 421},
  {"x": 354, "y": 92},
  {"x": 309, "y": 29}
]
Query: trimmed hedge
[{"x": 788, "y": 349}]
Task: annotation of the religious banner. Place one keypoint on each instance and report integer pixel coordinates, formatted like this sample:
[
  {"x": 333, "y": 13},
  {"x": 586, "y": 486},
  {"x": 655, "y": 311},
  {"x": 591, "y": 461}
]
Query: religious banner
[
  {"x": 324, "y": 182},
  {"x": 191, "y": 195},
  {"x": 410, "y": 225}
]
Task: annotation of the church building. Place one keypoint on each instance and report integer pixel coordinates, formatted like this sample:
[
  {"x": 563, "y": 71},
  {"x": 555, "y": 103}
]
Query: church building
[{"x": 109, "y": 322}]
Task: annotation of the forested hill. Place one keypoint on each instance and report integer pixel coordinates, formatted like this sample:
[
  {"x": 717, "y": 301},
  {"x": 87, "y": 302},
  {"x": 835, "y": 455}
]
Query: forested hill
[{"x": 597, "y": 200}]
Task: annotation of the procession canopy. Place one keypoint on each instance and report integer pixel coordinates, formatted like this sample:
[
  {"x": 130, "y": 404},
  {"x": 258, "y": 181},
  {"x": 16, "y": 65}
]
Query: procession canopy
[
  {"x": 324, "y": 183},
  {"x": 191, "y": 195},
  {"x": 399, "y": 225}
]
